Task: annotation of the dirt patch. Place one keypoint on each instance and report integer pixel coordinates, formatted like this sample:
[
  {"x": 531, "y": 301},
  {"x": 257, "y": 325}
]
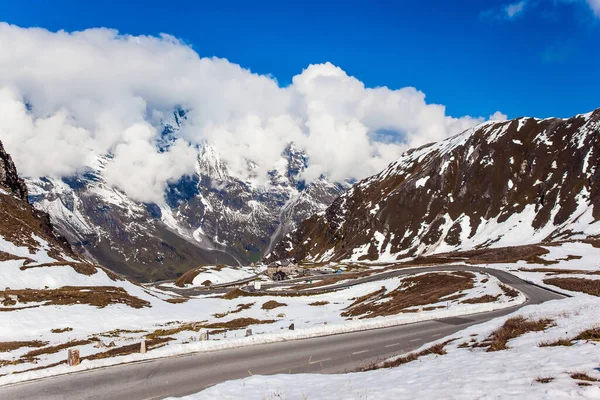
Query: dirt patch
[
  {"x": 420, "y": 290},
  {"x": 488, "y": 298},
  {"x": 318, "y": 303},
  {"x": 9, "y": 346},
  {"x": 271, "y": 304},
  {"x": 513, "y": 328},
  {"x": 588, "y": 286},
  {"x": 98, "y": 296},
  {"x": 435, "y": 349},
  {"x": 61, "y": 330}
]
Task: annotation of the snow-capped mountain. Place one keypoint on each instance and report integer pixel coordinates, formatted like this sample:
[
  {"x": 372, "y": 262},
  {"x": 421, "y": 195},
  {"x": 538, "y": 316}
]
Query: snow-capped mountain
[
  {"x": 497, "y": 184},
  {"x": 207, "y": 217}
]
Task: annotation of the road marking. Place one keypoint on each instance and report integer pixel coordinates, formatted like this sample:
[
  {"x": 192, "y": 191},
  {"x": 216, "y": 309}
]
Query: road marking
[
  {"x": 319, "y": 361},
  {"x": 360, "y": 352},
  {"x": 436, "y": 335},
  {"x": 415, "y": 340},
  {"x": 392, "y": 345}
]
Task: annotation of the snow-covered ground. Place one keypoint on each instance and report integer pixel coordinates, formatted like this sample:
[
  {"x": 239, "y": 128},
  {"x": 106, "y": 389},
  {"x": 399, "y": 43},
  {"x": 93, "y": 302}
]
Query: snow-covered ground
[
  {"x": 166, "y": 316},
  {"x": 215, "y": 275},
  {"x": 472, "y": 373}
]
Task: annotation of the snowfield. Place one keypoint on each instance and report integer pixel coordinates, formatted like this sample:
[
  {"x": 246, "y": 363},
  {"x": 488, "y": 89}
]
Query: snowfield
[
  {"x": 178, "y": 322},
  {"x": 518, "y": 372}
]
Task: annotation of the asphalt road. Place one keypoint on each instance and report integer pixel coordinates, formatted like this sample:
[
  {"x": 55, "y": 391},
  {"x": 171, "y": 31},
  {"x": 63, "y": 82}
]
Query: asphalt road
[{"x": 178, "y": 376}]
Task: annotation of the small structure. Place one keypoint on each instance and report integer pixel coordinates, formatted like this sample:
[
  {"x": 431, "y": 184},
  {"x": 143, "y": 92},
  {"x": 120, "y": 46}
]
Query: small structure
[
  {"x": 279, "y": 276},
  {"x": 73, "y": 357},
  {"x": 282, "y": 269}
]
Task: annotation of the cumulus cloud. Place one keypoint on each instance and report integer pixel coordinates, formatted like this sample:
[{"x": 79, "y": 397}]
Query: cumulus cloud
[
  {"x": 498, "y": 116},
  {"x": 66, "y": 98}
]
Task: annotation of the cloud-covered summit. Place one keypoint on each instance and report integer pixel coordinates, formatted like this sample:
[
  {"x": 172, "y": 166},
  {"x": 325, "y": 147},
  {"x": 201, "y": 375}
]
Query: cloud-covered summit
[{"x": 66, "y": 98}]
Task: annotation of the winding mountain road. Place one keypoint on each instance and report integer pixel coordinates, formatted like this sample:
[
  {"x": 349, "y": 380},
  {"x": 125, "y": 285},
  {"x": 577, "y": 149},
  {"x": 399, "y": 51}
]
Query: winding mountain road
[{"x": 178, "y": 376}]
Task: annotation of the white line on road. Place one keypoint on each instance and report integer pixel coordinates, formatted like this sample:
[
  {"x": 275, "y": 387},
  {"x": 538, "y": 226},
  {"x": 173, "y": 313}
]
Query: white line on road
[
  {"x": 415, "y": 340},
  {"x": 436, "y": 335},
  {"x": 319, "y": 361},
  {"x": 392, "y": 345},
  {"x": 360, "y": 352}
]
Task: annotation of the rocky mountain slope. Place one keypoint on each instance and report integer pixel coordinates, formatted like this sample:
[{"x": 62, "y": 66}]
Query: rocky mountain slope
[
  {"x": 497, "y": 184},
  {"x": 206, "y": 218},
  {"x": 20, "y": 223}
]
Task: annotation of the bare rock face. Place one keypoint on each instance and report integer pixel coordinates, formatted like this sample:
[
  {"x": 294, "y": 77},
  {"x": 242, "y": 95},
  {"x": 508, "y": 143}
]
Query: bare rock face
[
  {"x": 20, "y": 223},
  {"x": 497, "y": 184},
  {"x": 9, "y": 177}
]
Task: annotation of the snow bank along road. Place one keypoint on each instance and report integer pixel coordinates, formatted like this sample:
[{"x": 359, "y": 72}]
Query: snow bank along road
[{"x": 178, "y": 376}]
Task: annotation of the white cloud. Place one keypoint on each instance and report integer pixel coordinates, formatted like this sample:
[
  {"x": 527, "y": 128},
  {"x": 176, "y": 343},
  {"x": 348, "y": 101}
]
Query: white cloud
[
  {"x": 67, "y": 97},
  {"x": 512, "y": 10},
  {"x": 595, "y": 6},
  {"x": 498, "y": 116}
]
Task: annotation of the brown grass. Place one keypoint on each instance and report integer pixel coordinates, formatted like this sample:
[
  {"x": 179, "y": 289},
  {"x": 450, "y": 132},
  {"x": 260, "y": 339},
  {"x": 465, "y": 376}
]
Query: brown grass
[
  {"x": 4, "y": 256},
  {"x": 508, "y": 291},
  {"x": 528, "y": 253},
  {"x": 238, "y": 323},
  {"x": 9, "y": 346},
  {"x": 271, "y": 304},
  {"x": 55, "y": 349},
  {"x": 435, "y": 349},
  {"x": 318, "y": 303},
  {"x": 188, "y": 277},
  {"x": 544, "y": 379},
  {"x": 555, "y": 343},
  {"x": 82, "y": 268},
  {"x": 591, "y": 287},
  {"x": 513, "y": 328},
  {"x": 177, "y": 300},
  {"x": 237, "y": 293},
  {"x": 488, "y": 298},
  {"x": 189, "y": 326},
  {"x": 119, "y": 332},
  {"x": 61, "y": 330},
  {"x": 99, "y": 296},
  {"x": 128, "y": 349},
  {"x": 414, "y": 291},
  {"x": 589, "y": 334},
  {"x": 582, "y": 376},
  {"x": 239, "y": 308},
  {"x": 558, "y": 271}
]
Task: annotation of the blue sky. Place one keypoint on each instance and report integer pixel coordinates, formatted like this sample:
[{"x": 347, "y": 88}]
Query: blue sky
[{"x": 475, "y": 57}]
